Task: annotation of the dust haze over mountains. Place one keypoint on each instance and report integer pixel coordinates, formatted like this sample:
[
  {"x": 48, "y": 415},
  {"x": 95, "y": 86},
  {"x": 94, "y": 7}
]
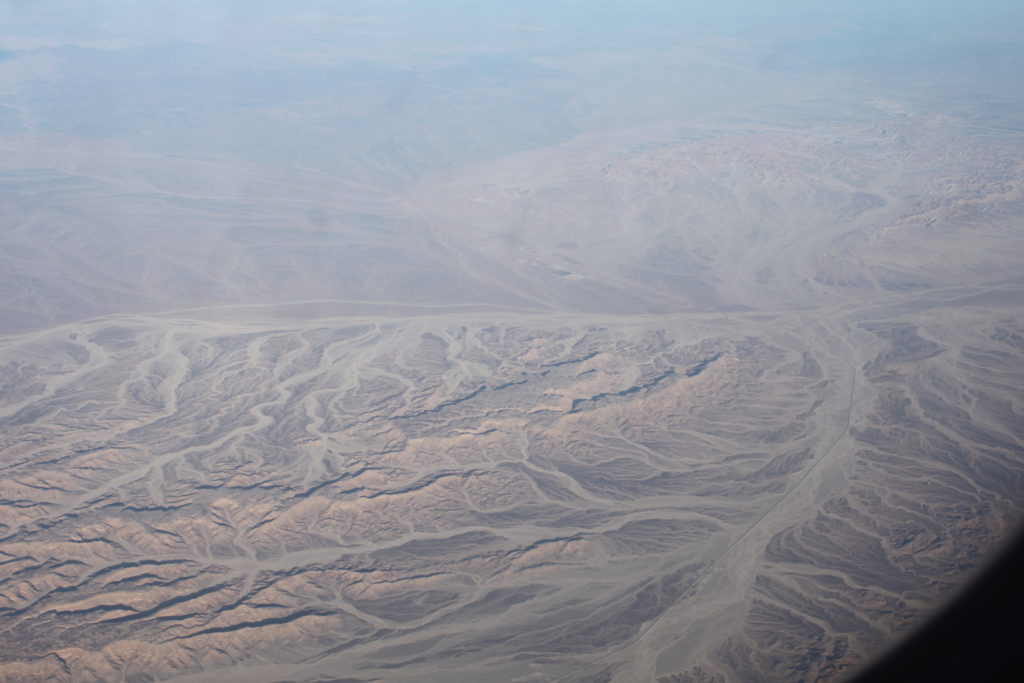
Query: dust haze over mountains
[{"x": 478, "y": 341}]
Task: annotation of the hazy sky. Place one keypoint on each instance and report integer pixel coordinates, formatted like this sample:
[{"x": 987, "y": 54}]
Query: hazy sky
[
  {"x": 581, "y": 22},
  {"x": 487, "y": 77}
]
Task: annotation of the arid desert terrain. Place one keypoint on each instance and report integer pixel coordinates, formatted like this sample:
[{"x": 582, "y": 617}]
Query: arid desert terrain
[{"x": 714, "y": 397}]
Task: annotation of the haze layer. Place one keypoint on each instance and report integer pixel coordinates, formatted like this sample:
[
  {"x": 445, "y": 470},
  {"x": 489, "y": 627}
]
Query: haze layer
[{"x": 557, "y": 344}]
